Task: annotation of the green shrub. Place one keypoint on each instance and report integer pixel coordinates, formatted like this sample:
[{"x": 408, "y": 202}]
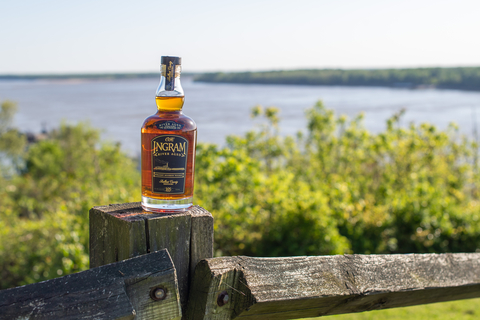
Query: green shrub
[
  {"x": 46, "y": 196},
  {"x": 33, "y": 250},
  {"x": 340, "y": 189}
]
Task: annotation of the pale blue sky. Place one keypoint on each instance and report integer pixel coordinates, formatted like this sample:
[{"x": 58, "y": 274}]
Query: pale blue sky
[{"x": 52, "y": 36}]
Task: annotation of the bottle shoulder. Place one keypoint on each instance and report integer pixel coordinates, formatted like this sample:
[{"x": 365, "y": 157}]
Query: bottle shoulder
[{"x": 181, "y": 119}]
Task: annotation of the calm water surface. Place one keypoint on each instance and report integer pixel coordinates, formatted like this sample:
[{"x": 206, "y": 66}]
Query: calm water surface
[{"x": 120, "y": 106}]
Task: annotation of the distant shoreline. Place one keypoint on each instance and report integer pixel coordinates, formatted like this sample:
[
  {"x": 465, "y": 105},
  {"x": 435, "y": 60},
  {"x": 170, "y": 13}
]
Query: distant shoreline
[
  {"x": 79, "y": 76},
  {"x": 89, "y": 76},
  {"x": 460, "y": 78}
]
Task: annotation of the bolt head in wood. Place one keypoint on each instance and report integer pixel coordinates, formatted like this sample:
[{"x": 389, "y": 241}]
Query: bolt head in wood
[
  {"x": 158, "y": 293},
  {"x": 222, "y": 298}
]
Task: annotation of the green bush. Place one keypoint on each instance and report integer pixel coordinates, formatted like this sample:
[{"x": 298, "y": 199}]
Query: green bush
[
  {"x": 403, "y": 190},
  {"x": 260, "y": 206},
  {"x": 33, "y": 250},
  {"x": 340, "y": 189},
  {"x": 47, "y": 189}
]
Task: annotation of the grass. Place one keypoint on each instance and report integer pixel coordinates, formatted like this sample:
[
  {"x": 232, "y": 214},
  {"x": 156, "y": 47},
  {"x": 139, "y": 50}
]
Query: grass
[{"x": 461, "y": 309}]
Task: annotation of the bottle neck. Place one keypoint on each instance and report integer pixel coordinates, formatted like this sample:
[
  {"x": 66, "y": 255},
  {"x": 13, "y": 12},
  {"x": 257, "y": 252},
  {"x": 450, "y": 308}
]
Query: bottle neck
[{"x": 170, "y": 96}]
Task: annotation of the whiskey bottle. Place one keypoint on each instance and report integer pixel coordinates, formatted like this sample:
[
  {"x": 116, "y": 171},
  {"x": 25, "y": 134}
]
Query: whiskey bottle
[{"x": 168, "y": 146}]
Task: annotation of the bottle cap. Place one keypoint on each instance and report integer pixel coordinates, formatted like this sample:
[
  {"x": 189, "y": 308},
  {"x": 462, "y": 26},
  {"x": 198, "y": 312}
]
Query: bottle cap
[{"x": 175, "y": 60}]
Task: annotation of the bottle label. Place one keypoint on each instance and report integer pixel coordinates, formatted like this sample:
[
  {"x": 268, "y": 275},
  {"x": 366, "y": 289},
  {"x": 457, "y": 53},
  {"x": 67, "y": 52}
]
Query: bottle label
[
  {"x": 169, "y": 164},
  {"x": 170, "y": 76},
  {"x": 169, "y": 125}
]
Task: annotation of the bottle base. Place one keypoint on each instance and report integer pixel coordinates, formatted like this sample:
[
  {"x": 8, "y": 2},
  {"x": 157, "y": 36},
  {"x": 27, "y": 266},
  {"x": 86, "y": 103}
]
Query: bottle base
[{"x": 165, "y": 206}]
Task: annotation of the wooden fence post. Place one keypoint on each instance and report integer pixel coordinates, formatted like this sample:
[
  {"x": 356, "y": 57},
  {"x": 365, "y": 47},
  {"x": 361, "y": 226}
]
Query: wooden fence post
[{"x": 122, "y": 231}]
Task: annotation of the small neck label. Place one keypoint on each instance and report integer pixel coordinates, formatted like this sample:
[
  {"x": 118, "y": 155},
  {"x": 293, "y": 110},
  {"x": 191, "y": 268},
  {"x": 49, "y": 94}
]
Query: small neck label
[
  {"x": 170, "y": 76},
  {"x": 168, "y": 125}
]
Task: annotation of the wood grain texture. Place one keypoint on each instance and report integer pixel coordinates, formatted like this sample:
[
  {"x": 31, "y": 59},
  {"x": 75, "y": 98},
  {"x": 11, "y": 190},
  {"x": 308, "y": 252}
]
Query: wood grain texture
[
  {"x": 173, "y": 233},
  {"x": 298, "y": 287},
  {"x": 201, "y": 243},
  {"x": 117, "y": 232},
  {"x": 115, "y": 291}
]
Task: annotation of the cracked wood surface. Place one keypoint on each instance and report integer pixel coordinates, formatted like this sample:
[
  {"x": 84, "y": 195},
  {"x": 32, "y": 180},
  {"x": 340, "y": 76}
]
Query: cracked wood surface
[
  {"x": 298, "y": 287},
  {"x": 116, "y": 291}
]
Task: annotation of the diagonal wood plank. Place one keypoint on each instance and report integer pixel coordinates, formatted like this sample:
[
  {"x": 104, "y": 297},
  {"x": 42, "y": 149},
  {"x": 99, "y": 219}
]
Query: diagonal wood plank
[{"x": 116, "y": 291}]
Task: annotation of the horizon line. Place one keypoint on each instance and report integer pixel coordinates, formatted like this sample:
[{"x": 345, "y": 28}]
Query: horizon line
[{"x": 156, "y": 73}]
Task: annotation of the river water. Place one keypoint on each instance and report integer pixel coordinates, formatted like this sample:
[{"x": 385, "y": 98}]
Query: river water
[{"x": 119, "y": 107}]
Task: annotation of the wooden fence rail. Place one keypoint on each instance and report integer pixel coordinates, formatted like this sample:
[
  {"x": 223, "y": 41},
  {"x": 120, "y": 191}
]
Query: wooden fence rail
[
  {"x": 228, "y": 287},
  {"x": 301, "y": 287}
]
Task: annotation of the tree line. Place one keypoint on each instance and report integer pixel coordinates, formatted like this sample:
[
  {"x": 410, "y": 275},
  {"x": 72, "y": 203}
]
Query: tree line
[{"x": 462, "y": 78}]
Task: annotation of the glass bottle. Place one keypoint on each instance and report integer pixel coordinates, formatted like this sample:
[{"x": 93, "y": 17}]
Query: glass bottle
[{"x": 168, "y": 146}]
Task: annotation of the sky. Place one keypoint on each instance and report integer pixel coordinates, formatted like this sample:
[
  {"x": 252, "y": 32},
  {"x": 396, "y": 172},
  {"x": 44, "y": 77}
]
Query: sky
[{"x": 52, "y": 36}]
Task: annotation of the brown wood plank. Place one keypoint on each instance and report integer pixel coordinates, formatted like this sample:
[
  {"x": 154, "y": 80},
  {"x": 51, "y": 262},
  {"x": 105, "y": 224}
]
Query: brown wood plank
[
  {"x": 116, "y": 291},
  {"x": 298, "y": 287}
]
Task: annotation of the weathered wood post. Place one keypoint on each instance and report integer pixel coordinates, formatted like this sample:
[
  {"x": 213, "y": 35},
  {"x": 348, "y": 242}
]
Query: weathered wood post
[{"x": 122, "y": 231}]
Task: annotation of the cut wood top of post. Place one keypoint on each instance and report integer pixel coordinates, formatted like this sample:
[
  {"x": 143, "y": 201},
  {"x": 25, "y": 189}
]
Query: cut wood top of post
[{"x": 133, "y": 211}]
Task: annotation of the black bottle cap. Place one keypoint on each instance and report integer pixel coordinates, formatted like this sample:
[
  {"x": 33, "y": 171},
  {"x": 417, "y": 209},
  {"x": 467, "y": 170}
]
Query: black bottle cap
[{"x": 175, "y": 60}]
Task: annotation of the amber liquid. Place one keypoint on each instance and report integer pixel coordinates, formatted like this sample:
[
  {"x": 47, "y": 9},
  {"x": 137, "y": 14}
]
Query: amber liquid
[{"x": 169, "y": 108}]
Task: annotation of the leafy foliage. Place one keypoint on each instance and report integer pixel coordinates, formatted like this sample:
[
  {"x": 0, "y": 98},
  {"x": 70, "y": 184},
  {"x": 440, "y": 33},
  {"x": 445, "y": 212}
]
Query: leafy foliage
[
  {"x": 403, "y": 190},
  {"x": 340, "y": 189},
  {"x": 46, "y": 196},
  {"x": 260, "y": 206}
]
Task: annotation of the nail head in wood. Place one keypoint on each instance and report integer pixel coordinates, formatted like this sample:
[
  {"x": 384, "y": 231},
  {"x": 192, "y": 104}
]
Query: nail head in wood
[
  {"x": 222, "y": 298},
  {"x": 158, "y": 293}
]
